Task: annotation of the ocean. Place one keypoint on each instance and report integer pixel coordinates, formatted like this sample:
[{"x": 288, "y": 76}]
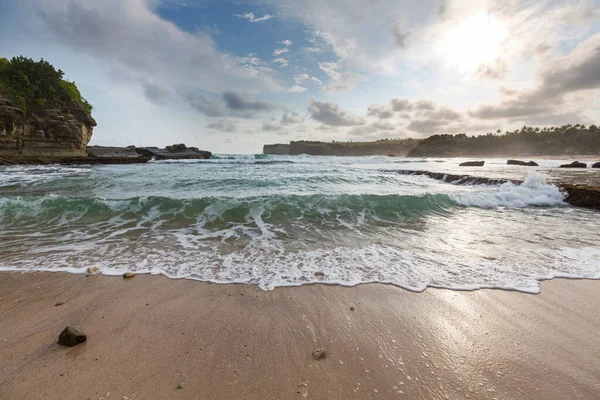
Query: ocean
[{"x": 292, "y": 220}]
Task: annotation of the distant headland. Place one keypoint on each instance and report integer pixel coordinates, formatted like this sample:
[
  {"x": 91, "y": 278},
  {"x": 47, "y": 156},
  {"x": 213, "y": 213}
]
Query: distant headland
[{"x": 554, "y": 141}]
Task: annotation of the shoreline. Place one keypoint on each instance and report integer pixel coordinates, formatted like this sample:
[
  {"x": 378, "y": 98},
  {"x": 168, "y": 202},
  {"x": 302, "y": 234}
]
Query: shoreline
[{"x": 149, "y": 335}]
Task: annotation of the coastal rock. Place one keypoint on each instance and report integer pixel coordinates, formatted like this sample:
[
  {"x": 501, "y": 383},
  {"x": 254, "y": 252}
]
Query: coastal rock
[
  {"x": 399, "y": 147},
  {"x": 319, "y": 353},
  {"x": 47, "y": 133},
  {"x": 174, "y": 152},
  {"x": 116, "y": 155},
  {"x": 128, "y": 275},
  {"x": 93, "y": 270},
  {"x": 71, "y": 337},
  {"x": 574, "y": 164},
  {"x": 518, "y": 162},
  {"x": 276, "y": 149},
  {"x": 472, "y": 164},
  {"x": 597, "y": 165}
]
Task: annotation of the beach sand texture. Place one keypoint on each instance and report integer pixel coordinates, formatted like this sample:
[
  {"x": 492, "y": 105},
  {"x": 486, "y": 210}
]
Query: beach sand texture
[{"x": 155, "y": 338}]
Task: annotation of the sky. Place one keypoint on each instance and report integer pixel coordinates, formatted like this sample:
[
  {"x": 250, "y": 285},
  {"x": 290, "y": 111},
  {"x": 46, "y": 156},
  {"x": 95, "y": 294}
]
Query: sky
[{"x": 230, "y": 76}]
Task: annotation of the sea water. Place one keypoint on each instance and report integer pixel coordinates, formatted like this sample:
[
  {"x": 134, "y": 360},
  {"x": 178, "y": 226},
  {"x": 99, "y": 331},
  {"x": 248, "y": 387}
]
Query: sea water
[{"x": 292, "y": 220}]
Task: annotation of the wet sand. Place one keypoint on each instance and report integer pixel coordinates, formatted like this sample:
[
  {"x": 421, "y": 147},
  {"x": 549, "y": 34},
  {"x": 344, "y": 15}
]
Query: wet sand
[{"x": 154, "y": 338}]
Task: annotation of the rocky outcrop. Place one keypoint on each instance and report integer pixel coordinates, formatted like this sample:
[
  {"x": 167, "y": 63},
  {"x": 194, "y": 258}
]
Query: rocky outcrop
[
  {"x": 45, "y": 133},
  {"x": 596, "y": 165},
  {"x": 116, "y": 155},
  {"x": 574, "y": 164},
  {"x": 276, "y": 149},
  {"x": 524, "y": 163},
  {"x": 174, "y": 152},
  {"x": 472, "y": 164}
]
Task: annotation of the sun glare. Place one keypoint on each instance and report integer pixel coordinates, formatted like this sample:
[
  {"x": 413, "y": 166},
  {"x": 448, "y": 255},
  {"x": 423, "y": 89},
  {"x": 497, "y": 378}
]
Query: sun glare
[{"x": 473, "y": 41}]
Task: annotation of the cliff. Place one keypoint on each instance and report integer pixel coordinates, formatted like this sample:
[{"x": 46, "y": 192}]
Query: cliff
[
  {"x": 45, "y": 132},
  {"x": 279, "y": 149},
  {"x": 382, "y": 147}
]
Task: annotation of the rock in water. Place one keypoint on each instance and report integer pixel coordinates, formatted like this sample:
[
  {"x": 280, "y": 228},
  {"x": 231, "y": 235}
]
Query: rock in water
[
  {"x": 472, "y": 164},
  {"x": 128, "y": 275},
  {"x": 93, "y": 270},
  {"x": 319, "y": 353},
  {"x": 519, "y": 162},
  {"x": 71, "y": 337},
  {"x": 574, "y": 164},
  {"x": 597, "y": 165}
]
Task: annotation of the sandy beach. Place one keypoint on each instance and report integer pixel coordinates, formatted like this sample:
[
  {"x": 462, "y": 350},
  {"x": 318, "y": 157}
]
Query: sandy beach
[{"x": 154, "y": 338}]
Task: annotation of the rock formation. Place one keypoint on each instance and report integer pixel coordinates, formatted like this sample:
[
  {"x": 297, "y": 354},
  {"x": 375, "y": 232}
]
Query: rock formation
[
  {"x": 596, "y": 165},
  {"x": 47, "y": 133},
  {"x": 472, "y": 164},
  {"x": 175, "y": 152},
  {"x": 518, "y": 162},
  {"x": 279, "y": 149},
  {"x": 574, "y": 164}
]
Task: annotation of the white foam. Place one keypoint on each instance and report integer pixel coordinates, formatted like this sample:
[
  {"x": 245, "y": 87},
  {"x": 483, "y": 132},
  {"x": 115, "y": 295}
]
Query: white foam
[{"x": 535, "y": 191}]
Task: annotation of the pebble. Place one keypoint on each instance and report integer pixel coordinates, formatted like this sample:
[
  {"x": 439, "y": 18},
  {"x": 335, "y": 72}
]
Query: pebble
[
  {"x": 128, "y": 275},
  {"x": 319, "y": 353},
  {"x": 93, "y": 270}
]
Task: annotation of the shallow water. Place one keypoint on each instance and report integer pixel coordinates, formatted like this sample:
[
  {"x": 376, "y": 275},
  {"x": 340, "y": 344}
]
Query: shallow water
[{"x": 278, "y": 220}]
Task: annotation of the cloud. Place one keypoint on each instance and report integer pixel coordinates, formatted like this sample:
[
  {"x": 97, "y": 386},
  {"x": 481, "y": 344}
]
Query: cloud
[
  {"x": 243, "y": 102},
  {"x": 279, "y": 52},
  {"x": 205, "y": 106},
  {"x": 129, "y": 34},
  {"x": 230, "y": 104},
  {"x": 291, "y": 117},
  {"x": 156, "y": 94},
  {"x": 332, "y": 114},
  {"x": 222, "y": 125},
  {"x": 269, "y": 126},
  {"x": 282, "y": 62},
  {"x": 250, "y": 17},
  {"x": 287, "y": 43},
  {"x": 401, "y": 38},
  {"x": 339, "y": 81},
  {"x": 299, "y": 78},
  {"x": 556, "y": 85},
  {"x": 297, "y": 89}
]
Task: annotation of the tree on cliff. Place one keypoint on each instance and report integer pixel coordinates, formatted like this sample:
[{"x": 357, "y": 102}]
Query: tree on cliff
[{"x": 37, "y": 85}]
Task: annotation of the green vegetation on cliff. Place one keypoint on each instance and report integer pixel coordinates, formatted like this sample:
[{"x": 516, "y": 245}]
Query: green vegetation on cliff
[
  {"x": 397, "y": 147},
  {"x": 566, "y": 139},
  {"x": 37, "y": 85}
]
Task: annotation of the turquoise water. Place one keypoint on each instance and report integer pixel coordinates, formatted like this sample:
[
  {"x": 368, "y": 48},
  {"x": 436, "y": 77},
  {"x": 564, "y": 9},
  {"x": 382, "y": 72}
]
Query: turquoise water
[{"x": 283, "y": 220}]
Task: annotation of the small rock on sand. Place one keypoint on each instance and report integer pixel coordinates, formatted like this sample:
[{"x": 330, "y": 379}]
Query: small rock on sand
[
  {"x": 93, "y": 270},
  {"x": 179, "y": 387},
  {"x": 319, "y": 353},
  {"x": 352, "y": 308},
  {"x": 58, "y": 303},
  {"x": 128, "y": 275},
  {"x": 71, "y": 337}
]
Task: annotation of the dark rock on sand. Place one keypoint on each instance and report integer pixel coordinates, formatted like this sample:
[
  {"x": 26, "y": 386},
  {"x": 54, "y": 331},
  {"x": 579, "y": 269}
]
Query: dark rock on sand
[
  {"x": 71, "y": 337},
  {"x": 319, "y": 353},
  {"x": 128, "y": 275},
  {"x": 352, "y": 308},
  {"x": 574, "y": 164},
  {"x": 519, "y": 162},
  {"x": 472, "y": 164},
  {"x": 58, "y": 304},
  {"x": 597, "y": 165}
]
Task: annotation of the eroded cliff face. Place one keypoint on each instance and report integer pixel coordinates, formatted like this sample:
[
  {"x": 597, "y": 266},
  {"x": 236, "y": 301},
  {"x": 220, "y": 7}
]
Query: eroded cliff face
[{"x": 47, "y": 133}]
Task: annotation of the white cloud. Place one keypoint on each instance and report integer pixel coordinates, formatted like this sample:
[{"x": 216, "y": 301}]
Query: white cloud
[
  {"x": 250, "y": 17},
  {"x": 282, "y": 62},
  {"x": 279, "y": 52},
  {"x": 297, "y": 89},
  {"x": 287, "y": 43},
  {"x": 299, "y": 78}
]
